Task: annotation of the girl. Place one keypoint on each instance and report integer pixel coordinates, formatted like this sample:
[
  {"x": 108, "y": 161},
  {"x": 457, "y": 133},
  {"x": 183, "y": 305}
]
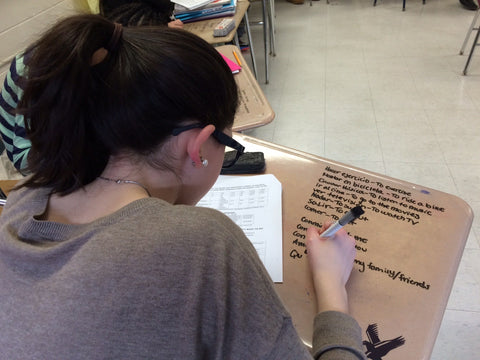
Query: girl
[
  {"x": 126, "y": 12},
  {"x": 102, "y": 251}
]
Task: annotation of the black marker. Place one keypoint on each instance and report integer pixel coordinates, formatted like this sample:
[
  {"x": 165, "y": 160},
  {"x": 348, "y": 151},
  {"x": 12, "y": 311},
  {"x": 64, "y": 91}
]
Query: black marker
[{"x": 351, "y": 215}]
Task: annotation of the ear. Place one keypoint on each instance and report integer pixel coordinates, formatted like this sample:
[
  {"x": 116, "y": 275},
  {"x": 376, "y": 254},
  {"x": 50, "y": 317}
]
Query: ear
[{"x": 195, "y": 144}]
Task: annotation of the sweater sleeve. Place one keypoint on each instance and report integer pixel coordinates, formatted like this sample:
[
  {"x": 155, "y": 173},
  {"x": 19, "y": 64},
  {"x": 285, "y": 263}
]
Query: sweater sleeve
[
  {"x": 337, "y": 336},
  {"x": 12, "y": 126}
]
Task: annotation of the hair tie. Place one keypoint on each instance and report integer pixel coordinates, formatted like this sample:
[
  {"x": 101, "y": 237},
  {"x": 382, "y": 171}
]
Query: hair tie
[{"x": 117, "y": 33}]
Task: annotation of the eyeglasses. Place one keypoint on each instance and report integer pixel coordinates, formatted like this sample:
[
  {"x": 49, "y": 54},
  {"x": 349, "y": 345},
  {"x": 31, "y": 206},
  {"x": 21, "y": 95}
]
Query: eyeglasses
[{"x": 232, "y": 156}]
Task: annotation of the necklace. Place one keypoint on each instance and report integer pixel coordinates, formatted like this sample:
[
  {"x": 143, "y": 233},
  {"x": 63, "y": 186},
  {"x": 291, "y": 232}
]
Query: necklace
[{"x": 121, "y": 181}]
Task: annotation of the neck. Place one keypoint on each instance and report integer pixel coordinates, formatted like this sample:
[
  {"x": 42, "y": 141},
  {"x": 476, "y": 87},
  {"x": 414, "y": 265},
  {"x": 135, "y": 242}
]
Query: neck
[
  {"x": 159, "y": 183},
  {"x": 127, "y": 182},
  {"x": 98, "y": 199}
]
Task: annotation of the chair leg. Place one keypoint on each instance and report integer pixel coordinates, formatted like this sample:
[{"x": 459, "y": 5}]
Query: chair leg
[
  {"x": 471, "y": 52},
  {"x": 252, "y": 53},
  {"x": 271, "y": 18},
  {"x": 403, "y": 8},
  {"x": 265, "y": 38},
  {"x": 470, "y": 29},
  {"x": 236, "y": 41}
]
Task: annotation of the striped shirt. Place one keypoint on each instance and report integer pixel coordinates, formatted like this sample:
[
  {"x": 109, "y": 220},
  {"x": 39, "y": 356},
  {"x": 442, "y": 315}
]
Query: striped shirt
[{"x": 12, "y": 126}]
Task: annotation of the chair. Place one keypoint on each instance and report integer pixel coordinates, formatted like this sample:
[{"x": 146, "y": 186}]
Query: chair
[
  {"x": 375, "y": 3},
  {"x": 403, "y": 7},
  {"x": 311, "y": 2},
  {"x": 475, "y": 41},
  {"x": 268, "y": 22},
  {"x": 249, "y": 35}
]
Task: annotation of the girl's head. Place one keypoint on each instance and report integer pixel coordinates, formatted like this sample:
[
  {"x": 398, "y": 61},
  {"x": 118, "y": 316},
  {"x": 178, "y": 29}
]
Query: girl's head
[
  {"x": 137, "y": 12},
  {"x": 82, "y": 109}
]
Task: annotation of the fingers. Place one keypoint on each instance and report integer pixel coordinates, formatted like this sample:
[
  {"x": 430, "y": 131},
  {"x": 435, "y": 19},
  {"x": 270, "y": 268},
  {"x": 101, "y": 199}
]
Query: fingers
[
  {"x": 314, "y": 233},
  {"x": 177, "y": 24},
  {"x": 331, "y": 263},
  {"x": 326, "y": 225},
  {"x": 333, "y": 255}
]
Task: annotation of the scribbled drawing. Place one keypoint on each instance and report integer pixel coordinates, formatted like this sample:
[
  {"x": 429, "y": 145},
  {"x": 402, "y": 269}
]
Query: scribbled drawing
[{"x": 377, "y": 349}]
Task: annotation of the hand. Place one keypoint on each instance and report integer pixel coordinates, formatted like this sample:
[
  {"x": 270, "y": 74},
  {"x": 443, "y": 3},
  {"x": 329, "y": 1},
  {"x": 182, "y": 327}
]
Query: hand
[
  {"x": 175, "y": 24},
  {"x": 331, "y": 262}
]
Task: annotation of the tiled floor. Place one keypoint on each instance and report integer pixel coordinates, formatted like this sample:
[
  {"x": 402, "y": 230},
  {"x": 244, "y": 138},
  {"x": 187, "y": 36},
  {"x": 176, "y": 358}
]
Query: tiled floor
[
  {"x": 373, "y": 87},
  {"x": 382, "y": 89}
]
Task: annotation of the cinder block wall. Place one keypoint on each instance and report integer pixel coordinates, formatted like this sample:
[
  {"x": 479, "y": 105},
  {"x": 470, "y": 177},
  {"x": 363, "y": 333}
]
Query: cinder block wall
[{"x": 21, "y": 21}]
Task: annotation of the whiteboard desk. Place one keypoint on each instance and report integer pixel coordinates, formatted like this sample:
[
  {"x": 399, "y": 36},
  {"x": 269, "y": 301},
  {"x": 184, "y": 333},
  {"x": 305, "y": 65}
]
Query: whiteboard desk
[
  {"x": 204, "y": 29},
  {"x": 253, "y": 108},
  {"x": 409, "y": 244}
]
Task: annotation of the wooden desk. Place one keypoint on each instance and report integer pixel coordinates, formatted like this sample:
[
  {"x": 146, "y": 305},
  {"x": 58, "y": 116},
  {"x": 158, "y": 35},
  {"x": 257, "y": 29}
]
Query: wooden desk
[
  {"x": 204, "y": 29},
  {"x": 6, "y": 186},
  {"x": 409, "y": 244},
  {"x": 253, "y": 109}
]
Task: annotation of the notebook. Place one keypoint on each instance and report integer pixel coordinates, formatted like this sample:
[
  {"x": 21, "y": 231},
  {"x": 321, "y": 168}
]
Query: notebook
[
  {"x": 232, "y": 65},
  {"x": 192, "y": 4}
]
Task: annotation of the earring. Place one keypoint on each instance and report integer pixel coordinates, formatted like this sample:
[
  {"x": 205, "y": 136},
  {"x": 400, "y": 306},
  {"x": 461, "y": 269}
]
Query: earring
[{"x": 204, "y": 162}]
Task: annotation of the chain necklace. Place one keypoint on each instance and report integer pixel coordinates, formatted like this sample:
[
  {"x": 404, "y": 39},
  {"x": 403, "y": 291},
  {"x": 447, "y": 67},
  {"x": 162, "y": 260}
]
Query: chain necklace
[{"x": 121, "y": 181}]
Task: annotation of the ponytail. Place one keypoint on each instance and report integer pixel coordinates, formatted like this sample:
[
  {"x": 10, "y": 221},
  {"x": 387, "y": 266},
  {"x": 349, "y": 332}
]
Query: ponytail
[
  {"x": 149, "y": 81},
  {"x": 59, "y": 98}
]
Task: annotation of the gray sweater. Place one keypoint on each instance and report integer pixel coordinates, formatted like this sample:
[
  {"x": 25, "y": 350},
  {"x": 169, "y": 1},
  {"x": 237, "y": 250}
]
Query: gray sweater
[{"x": 151, "y": 281}]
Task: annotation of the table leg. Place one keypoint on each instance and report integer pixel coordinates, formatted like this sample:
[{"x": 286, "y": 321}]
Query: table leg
[
  {"x": 470, "y": 29},
  {"x": 265, "y": 37},
  {"x": 271, "y": 16},
  {"x": 252, "y": 53}
]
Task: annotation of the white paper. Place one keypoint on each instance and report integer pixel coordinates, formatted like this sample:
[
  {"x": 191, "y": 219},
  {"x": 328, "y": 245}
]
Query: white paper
[
  {"x": 192, "y": 4},
  {"x": 254, "y": 203}
]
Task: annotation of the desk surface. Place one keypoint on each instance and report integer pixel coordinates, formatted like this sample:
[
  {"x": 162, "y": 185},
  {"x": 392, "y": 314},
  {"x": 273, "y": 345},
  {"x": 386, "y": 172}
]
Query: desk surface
[
  {"x": 409, "y": 244},
  {"x": 204, "y": 28},
  {"x": 253, "y": 108},
  {"x": 7, "y": 185}
]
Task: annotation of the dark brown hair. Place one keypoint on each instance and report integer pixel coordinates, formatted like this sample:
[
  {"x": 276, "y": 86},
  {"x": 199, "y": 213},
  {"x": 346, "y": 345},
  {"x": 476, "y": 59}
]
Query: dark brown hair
[
  {"x": 137, "y": 12},
  {"x": 78, "y": 114}
]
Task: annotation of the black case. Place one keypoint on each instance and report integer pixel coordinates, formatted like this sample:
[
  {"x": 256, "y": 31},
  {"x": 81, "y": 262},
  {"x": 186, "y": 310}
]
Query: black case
[{"x": 247, "y": 163}]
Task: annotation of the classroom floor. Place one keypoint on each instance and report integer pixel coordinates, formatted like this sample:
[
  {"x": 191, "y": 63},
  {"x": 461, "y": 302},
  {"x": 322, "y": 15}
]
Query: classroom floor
[
  {"x": 383, "y": 90},
  {"x": 373, "y": 87}
]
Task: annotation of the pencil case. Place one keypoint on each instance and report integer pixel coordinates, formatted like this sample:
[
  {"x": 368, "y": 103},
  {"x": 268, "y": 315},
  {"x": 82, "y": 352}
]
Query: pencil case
[
  {"x": 247, "y": 163},
  {"x": 224, "y": 27}
]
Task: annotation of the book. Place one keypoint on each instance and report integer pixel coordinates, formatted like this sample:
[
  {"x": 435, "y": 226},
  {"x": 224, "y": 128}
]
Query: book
[
  {"x": 178, "y": 9},
  {"x": 224, "y": 10},
  {"x": 254, "y": 203},
  {"x": 191, "y": 4}
]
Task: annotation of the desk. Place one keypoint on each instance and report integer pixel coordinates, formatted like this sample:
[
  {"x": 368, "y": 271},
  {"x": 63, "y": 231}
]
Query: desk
[
  {"x": 204, "y": 29},
  {"x": 253, "y": 109},
  {"x": 409, "y": 244},
  {"x": 6, "y": 186}
]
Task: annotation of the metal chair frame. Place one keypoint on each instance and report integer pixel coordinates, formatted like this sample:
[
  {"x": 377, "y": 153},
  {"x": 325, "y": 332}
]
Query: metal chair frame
[
  {"x": 475, "y": 41},
  {"x": 268, "y": 22}
]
